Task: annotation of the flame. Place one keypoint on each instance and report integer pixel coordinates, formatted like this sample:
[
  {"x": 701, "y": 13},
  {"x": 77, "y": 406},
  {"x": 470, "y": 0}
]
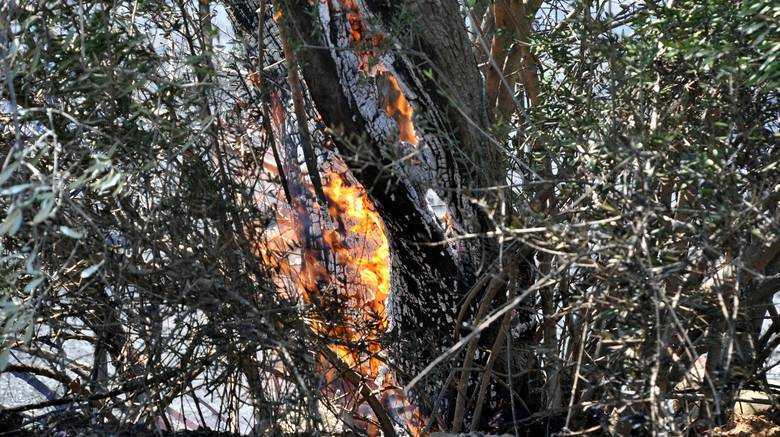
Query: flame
[
  {"x": 369, "y": 257},
  {"x": 353, "y": 18},
  {"x": 399, "y": 109},
  {"x": 346, "y": 283},
  {"x": 356, "y": 299},
  {"x": 396, "y": 105},
  {"x": 347, "y": 302},
  {"x": 352, "y": 205}
]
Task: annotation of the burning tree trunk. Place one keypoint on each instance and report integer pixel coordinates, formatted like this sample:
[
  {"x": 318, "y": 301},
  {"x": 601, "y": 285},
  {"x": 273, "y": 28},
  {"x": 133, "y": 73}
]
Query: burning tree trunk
[
  {"x": 370, "y": 247},
  {"x": 401, "y": 97}
]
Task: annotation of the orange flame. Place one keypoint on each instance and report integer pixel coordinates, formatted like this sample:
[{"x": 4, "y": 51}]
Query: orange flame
[
  {"x": 396, "y": 105},
  {"x": 353, "y": 206},
  {"x": 348, "y": 299},
  {"x": 398, "y": 108},
  {"x": 369, "y": 257},
  {"x": 362, "y": 255},
  {"x": 347, "y": 305}
]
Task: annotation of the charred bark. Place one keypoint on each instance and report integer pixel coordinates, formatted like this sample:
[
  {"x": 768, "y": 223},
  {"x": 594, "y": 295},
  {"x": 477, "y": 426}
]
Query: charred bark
[{"x": 404, "y": 106}]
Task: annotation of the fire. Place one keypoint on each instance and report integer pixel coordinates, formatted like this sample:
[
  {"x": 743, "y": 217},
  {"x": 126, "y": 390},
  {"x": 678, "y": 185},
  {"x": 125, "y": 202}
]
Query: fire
[
  {"x": 398, "y": 108},
  {"x": 366, "y": 263},
  {"x": 345, "y": 295},
  {"x": 395, "y": 103},
  {"x": 362, "y": 263},
  {"x": 353, "y": 206},
  {"x": 344, "y": 284}
]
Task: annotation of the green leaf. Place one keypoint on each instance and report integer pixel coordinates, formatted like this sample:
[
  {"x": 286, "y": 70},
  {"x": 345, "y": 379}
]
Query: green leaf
[
  {"x": 29, "y": 265},
  {"x": 12, "y": 222},
  {"x": 45, "y": 212},
  {"x": 4, "y": 356},
  {"x": 109, "y": 181},
  {"x": 34, "y": 284},
  {"x": 89, "y": 271},
  {"x": 29, "y": 21},
  {"x": 72, "y": 233},
  {"x": 16, "y": 189},
  {"x": 8, "y": 172},
  {"x": 28, "y": 332}
]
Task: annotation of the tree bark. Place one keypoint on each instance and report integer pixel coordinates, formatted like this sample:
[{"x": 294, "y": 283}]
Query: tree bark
[{"x": 404, "y": 105}]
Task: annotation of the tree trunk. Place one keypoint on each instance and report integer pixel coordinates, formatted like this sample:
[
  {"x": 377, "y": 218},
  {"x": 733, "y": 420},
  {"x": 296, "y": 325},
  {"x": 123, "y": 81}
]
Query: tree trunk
[{"x": 398, "y": 89}]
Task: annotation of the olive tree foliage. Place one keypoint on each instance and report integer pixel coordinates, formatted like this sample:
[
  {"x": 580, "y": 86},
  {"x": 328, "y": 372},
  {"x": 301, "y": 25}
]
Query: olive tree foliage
[
  {"x": 639, "y": 146},
  {"x": 126, "y": 214},
  {"x": 662, "y": 124}
]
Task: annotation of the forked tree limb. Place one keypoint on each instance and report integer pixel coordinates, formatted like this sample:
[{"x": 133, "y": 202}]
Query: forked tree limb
[
  {"x": 498, "y": 346},
  {"x": 513, "y": 19},
  {"x": 513, "y": 303},
  {"x": 494, "y": 286},
  {"x": 508, "y": 279}
]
